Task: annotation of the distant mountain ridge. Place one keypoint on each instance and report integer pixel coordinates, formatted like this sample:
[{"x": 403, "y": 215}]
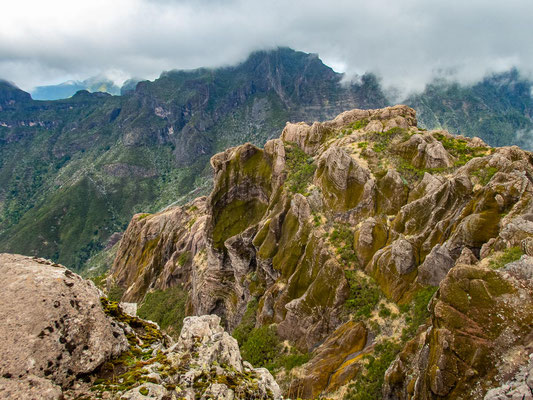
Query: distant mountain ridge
[
  {"x": 68, "y": 89},
  {"x": 499, "y": 108},
  {"x": 73, "y": 171}
]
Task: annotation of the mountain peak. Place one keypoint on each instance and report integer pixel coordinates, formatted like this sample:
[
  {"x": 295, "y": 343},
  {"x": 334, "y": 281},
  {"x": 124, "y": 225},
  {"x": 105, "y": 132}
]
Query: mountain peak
[{"x": 11, "y": 94}]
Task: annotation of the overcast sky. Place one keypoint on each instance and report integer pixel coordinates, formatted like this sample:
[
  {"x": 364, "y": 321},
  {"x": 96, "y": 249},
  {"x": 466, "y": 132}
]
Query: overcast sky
[{"x": 406, "y": 42}]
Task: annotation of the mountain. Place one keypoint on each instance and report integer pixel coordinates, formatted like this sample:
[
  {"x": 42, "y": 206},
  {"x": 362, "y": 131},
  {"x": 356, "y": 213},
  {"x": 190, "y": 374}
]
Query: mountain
[
  {"x": 68, "y": 89},
  {"x": 358, "y": 258},
  {"x": 73, "y": 171},
  {"x": 499, "y": 109}
]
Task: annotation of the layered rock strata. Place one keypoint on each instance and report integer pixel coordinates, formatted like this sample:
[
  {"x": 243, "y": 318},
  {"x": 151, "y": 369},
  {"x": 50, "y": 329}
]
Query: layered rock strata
[{"x": 368, "y": 192}]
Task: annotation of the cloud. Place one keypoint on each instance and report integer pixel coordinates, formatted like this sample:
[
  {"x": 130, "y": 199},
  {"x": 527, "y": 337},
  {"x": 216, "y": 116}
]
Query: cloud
[
  {"x": 407, "y": 43},
  {"x": 524, "y": 138}
]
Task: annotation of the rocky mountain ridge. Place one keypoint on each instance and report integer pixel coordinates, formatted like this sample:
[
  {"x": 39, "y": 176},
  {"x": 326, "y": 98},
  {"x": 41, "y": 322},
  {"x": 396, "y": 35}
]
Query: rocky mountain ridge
[{"x": 338, "y": 234}]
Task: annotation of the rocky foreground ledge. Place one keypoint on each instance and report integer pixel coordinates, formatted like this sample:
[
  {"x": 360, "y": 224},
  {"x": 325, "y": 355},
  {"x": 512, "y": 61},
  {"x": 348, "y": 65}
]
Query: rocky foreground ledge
[{"x": 61, "y": 339}]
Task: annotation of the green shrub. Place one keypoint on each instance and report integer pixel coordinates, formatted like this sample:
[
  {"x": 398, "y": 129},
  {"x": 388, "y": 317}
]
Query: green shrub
[
  {"x": 367, "y": 386},
  {"x": 509, "y": 255},
  {"x": 342, "y": 239},
  {"x": 359, "y": 124},
  {"x": 384, "y": 311},
  {"x": 295, "y": 359},
  {"x": 262, "y": 347},
  {"x": 99, "y": 280},
  {"x": 459, "y": 148},
  {"x": 166, "y": 307},
  {"x": 485, "y": 174},
  {"x": 300, "y": 169},
  {"x": 417, "y": 313},
  {"x": 184, "y": 258},
  {"x": 247, "y": 323},
  {"x": 364, "y": 295},
  {"x": 380, "y": 147},
  {"x": 412, "y": 173},
  {"x": 115, "y": 293}
]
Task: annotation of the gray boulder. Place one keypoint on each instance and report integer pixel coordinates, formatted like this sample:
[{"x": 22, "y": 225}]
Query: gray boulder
[{"x": 53, "y": 324}]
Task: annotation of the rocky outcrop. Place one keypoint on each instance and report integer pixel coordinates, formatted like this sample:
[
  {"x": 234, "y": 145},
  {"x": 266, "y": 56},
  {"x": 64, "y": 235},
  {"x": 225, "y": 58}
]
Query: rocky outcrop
[
  {"x": 519, "y": 387},
  {"x": 334, "y": 362},
  {"x": 157, "y": 251},
  {"x": 215, "y": 366},
  {"x": 204, "y": 362},
  {"x": 424, "y": 151},
  {"x": 62, "y": 339},
  {"x": 480, "y": 331},
  {"x": 342, "y": 180},
  {"x": 366, "y": 192}
]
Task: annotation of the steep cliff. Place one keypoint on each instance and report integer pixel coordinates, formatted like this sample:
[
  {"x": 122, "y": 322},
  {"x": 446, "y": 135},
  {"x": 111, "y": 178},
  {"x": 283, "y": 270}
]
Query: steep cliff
[{"x": 336, "y": 235}]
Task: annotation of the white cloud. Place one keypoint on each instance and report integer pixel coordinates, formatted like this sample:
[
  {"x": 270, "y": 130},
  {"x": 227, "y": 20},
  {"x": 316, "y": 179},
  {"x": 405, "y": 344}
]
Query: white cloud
[{"x": 406, "y": 42}]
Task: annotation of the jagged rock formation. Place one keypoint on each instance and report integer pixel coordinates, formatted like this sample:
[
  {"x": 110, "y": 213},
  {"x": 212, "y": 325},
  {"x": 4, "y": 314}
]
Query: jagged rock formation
[
  {"x": 367, "y": 194},
  {"x": 480, "y": 330},
  {"x": 216, "y": 364},
  {"x": 334, "y": 362},
  {"x": 62, "y": 340},
  {"x": 163, "y": 257}
]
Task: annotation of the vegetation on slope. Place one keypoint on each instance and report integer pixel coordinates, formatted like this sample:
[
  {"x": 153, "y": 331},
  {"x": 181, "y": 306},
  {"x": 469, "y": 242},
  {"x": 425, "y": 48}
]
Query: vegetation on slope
[
  {"x": 498, "y": 109},
  {"x": 166, "y": 307}
]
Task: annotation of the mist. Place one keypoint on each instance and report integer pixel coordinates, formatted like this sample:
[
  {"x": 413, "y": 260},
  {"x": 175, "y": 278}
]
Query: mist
[{"x": 406, "y": 43}]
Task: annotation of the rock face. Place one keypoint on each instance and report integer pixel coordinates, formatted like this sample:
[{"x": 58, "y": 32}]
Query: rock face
[
  {"x": 216, "y": 367},
  {"x": 61, "y": 339},
  {"x": 334, "y": 362},
  {"x": 53, "y": 324},
  {"x": 480, "y": 330},
  {"x": 520, "y": 387},
  {"x": 158, "y": 251},
  {"x": 285, "y": 225}
]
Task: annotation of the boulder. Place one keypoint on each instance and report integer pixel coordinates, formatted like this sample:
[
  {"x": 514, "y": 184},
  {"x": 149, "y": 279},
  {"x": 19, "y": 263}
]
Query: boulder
[
  {"x": 53, "y": 324},
  {"x": 204, "y": 335},
  {"x": 436, "y": 265}
]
